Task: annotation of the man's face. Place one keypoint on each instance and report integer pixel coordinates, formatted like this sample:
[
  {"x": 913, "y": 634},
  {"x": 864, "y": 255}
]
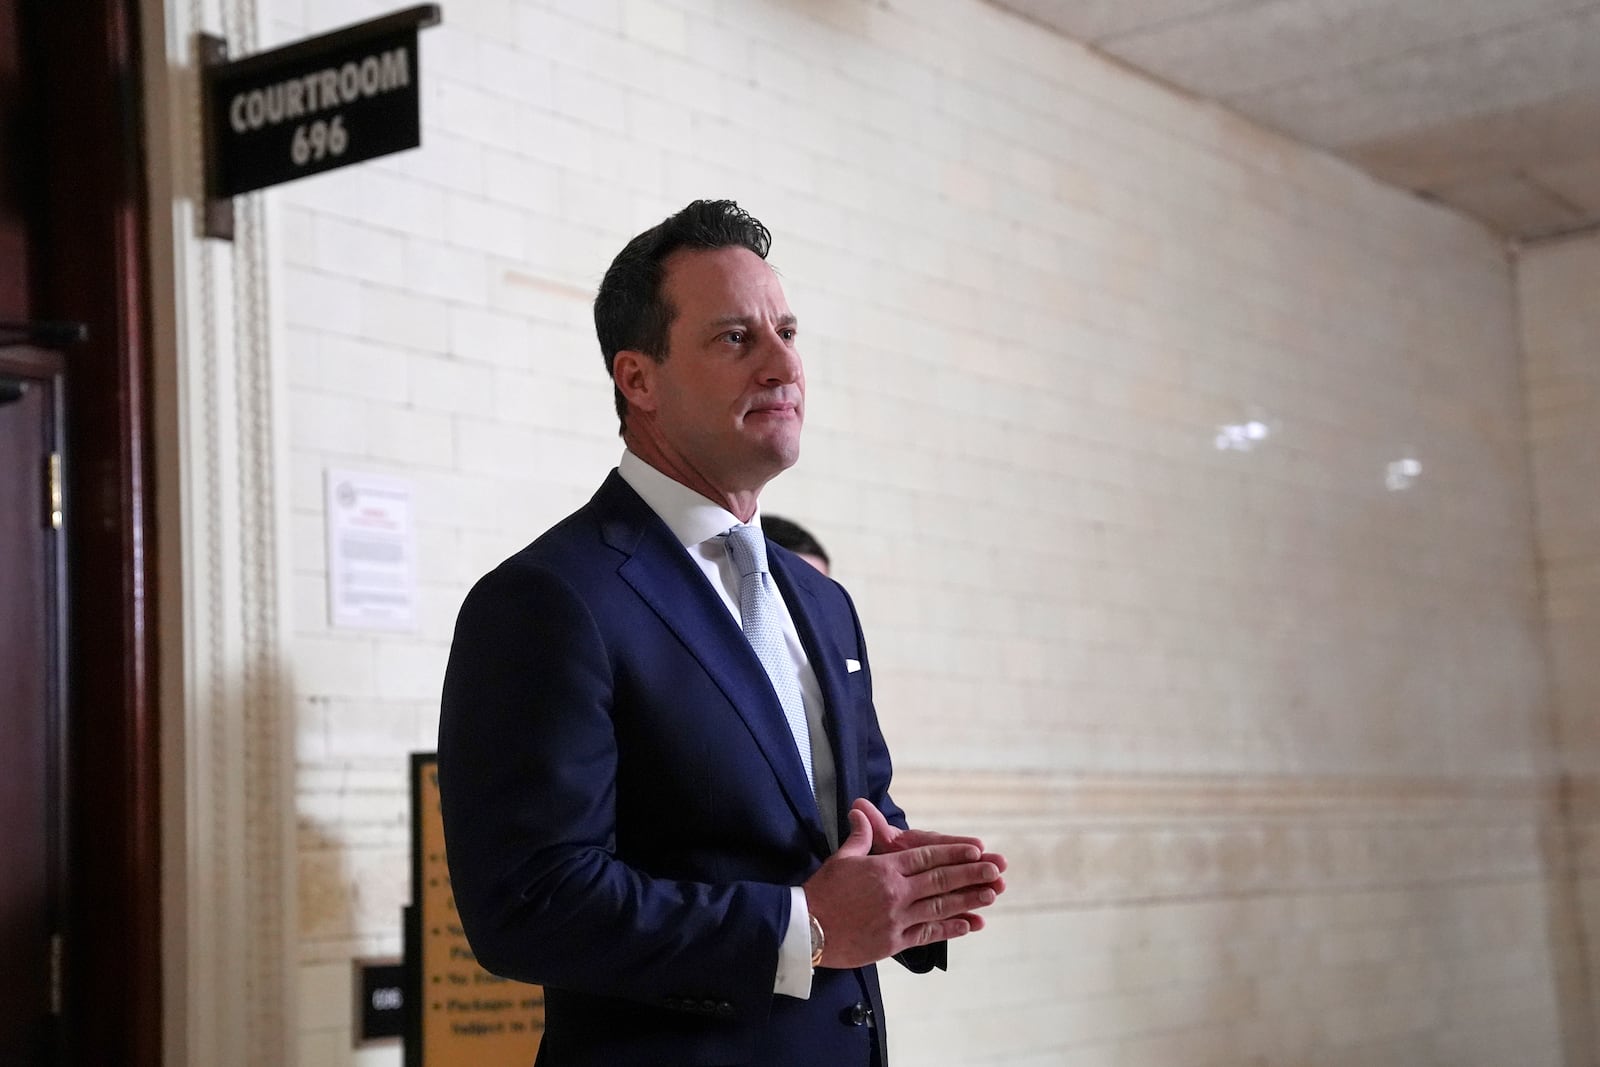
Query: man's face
[{"x": 729, "y": 399}]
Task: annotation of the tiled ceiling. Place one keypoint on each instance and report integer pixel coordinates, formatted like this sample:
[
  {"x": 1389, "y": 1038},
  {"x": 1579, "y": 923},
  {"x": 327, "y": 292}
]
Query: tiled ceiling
[{"x": 1492, "y": 106}]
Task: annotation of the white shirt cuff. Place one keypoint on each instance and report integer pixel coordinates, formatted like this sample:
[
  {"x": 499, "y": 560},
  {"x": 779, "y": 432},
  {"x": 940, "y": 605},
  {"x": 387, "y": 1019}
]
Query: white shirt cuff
[{"x": 794, "y": 954}]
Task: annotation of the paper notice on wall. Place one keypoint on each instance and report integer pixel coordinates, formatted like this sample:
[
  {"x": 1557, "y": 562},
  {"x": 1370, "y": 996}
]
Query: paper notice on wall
[{"x": 372, "y": 553}]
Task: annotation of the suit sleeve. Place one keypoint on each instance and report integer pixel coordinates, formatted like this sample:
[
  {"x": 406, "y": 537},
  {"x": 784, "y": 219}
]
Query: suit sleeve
[
  {"x": 527, "y": 769},
  {"x": 880, "y": 769}
]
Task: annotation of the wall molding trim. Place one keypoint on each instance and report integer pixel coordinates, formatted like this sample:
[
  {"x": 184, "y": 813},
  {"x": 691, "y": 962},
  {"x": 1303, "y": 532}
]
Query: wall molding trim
[
  {"x": 1079, "y": 840},
  {"x": 228, "y": 821},
  {"x": 1168, "y": 796}
]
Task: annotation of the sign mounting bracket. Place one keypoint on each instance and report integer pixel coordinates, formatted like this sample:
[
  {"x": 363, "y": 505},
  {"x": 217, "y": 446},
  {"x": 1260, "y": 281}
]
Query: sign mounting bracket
[{"x": 218, "y": 218}]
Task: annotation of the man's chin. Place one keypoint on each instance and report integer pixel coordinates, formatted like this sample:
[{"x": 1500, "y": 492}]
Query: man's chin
[
  {"x": 788, "y": 448},
  {"x": 774, "y": 433},
  {"x": 779, "y": 454}
]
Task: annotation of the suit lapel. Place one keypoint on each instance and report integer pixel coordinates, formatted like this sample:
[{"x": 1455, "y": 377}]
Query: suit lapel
[
  {"x": 827, "y": 662},
  {"x": 659, "y": 570}
]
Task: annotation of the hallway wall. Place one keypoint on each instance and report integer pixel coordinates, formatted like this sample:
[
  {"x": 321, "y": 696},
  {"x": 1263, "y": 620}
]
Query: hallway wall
[
  {"x": 1558, "y": 286},
  {"x": 1177, "y": 471}
]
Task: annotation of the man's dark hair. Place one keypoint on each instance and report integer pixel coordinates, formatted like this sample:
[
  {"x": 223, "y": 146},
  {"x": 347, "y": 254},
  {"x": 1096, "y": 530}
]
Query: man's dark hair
[
  {"x": 629, "y": 311},
  {"x": 794, "y": 537}
]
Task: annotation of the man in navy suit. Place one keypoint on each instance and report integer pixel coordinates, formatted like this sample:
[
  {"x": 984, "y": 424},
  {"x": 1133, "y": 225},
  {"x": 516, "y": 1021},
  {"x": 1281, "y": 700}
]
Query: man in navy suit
[{"x": 665, "y": 792}]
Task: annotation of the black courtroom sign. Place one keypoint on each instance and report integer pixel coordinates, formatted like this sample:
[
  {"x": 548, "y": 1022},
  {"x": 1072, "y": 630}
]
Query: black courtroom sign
[{"x": 315, "y": 105}]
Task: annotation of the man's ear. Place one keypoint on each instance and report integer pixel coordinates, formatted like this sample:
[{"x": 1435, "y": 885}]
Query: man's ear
[{"x": 634, "y": 374}]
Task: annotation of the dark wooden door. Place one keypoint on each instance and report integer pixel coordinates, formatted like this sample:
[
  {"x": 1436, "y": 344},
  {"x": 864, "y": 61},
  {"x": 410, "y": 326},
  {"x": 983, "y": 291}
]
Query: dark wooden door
[
  {"x": 30, "y": 707},
  {"x": 31, "y": 602}
]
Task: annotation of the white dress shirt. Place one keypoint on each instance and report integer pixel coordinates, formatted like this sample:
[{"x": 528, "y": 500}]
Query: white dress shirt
[{"x": 699, "y": 523}]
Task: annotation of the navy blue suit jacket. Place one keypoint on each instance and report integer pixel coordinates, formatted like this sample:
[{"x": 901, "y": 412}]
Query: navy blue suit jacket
[{"x": 624, "y": 808}]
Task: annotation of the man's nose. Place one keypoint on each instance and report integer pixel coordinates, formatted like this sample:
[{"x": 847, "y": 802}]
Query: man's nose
[{"x": 782, "y": 363}]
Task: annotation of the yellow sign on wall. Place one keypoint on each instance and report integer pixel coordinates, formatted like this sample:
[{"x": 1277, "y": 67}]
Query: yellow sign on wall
[{"x": 461, "y": 1015}]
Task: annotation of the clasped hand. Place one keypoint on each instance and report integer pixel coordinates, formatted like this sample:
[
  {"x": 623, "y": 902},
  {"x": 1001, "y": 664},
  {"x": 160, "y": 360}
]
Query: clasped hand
[{"x": 887, "y": 889}]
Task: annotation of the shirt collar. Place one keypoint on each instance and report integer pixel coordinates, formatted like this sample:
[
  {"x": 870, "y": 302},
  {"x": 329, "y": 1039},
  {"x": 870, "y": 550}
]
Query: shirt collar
[{"x": 691, "y": 517}]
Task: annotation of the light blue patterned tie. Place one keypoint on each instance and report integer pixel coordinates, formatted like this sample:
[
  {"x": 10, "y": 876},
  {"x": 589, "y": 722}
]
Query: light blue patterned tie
[{"x": 763, "y": 627}]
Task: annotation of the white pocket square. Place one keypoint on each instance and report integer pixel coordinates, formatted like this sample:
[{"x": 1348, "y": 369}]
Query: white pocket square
[{"x": 851, "y": 666}]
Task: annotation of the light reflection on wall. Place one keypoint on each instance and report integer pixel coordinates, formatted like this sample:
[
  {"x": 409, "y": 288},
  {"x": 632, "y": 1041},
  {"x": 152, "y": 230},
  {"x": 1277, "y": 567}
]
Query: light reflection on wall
[
  {"x": 1241, "y": 436},
  {"x": 1402, "y": 474}
]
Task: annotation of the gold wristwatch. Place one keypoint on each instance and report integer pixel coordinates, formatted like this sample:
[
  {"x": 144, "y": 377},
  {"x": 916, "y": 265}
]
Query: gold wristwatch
[{"x": 817, "y": 941}]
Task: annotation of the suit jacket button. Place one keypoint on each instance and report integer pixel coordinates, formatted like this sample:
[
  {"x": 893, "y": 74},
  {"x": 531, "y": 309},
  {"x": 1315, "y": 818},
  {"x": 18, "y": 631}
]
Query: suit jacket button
[
  {"x": 725, "y": 1010},
  {"x": 708, "y": 1006},
  {"x": 672, "y": 1003},
  {"x": 858, "y": 1014}
]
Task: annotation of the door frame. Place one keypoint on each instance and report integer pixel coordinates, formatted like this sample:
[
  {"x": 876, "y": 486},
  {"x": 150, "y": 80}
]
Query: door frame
[{"x": 92, "y": 266}]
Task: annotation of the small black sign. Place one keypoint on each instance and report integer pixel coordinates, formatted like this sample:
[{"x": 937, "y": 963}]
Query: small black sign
[
  {"x": 380, "y": 1010},
  {"x": 315, "y": 105}
]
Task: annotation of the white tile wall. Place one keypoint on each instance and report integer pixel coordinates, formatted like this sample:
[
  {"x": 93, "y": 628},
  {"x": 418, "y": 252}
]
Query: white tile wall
[{"x": 1033, "y": 290}]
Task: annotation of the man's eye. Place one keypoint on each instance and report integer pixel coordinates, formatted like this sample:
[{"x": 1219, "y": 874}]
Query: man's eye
[
  {"x": 735, "y": 337},
  {"x": 787, "y": 334}
]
